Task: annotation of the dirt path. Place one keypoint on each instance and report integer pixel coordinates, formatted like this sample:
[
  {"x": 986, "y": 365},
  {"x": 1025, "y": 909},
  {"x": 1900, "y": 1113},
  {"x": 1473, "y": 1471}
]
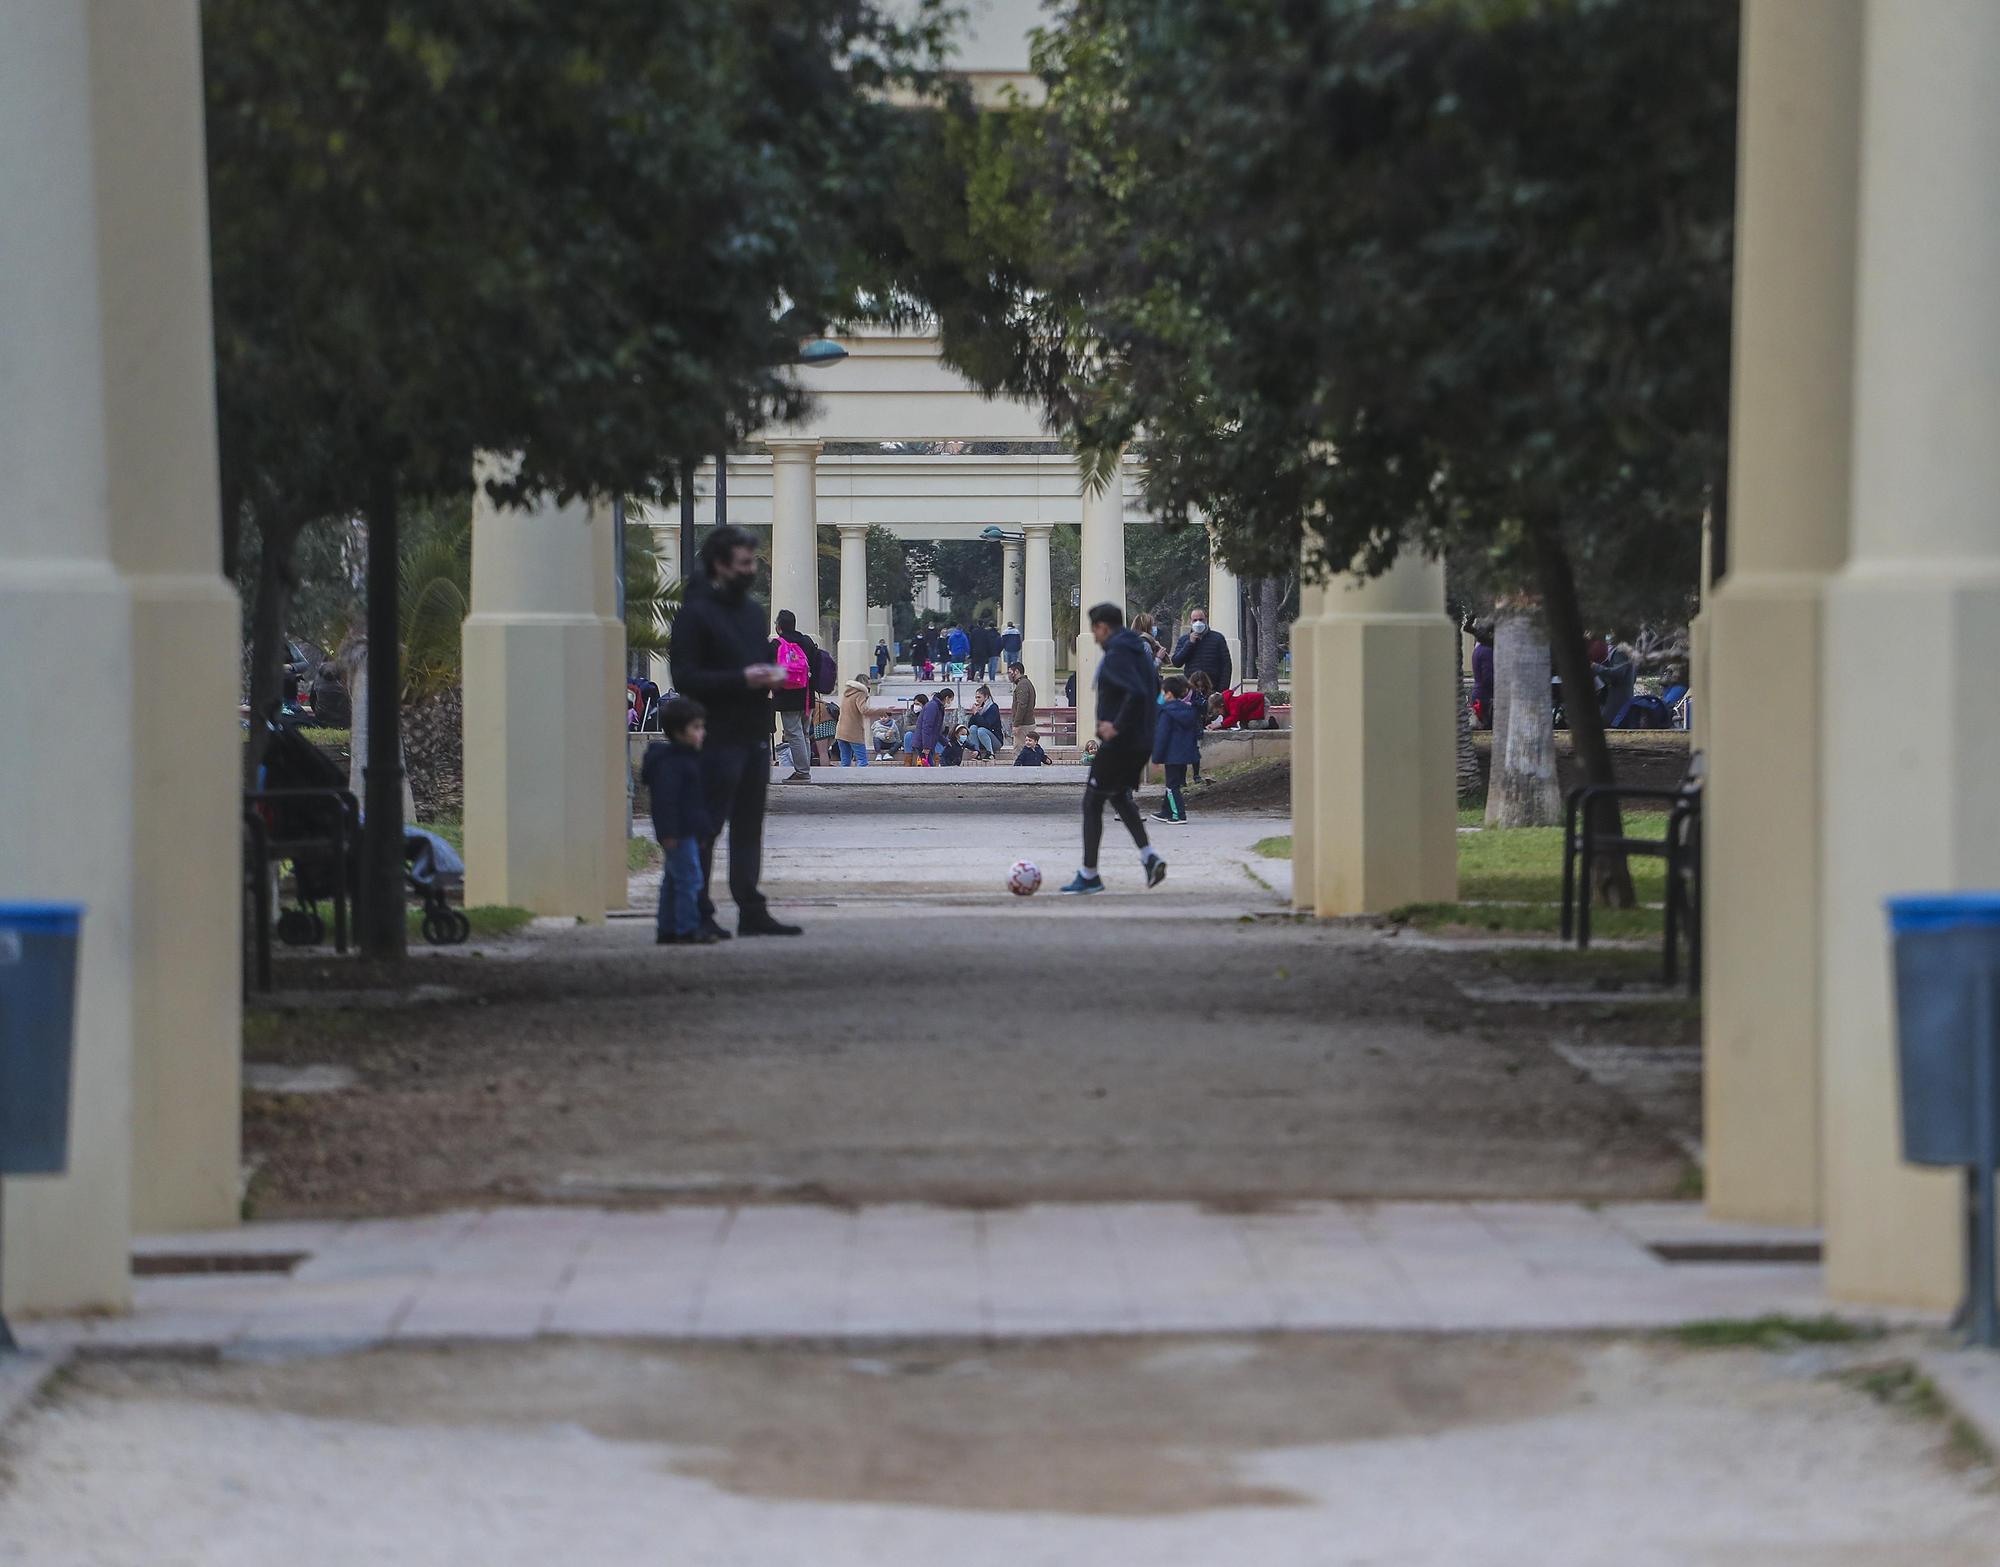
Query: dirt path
[
  {"x": 1334, "y": 1452},
  {"x": 932, "y": 1038}
]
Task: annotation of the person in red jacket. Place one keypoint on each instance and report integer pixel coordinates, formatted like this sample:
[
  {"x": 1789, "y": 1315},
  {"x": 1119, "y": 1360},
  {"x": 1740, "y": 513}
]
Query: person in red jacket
[{"x": 1237, "y": 710}]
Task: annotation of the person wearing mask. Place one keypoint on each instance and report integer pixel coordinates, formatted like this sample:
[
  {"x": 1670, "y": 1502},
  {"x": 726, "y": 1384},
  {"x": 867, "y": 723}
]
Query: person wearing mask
[
  {"x": 721, "y": 658},
  {"x": 1204, "y": 652},
  {"x": 1010, "y": 643},
  {"x": 958, "y": 647},
  {"x": 983, "y": 724},
  {"x": 1024, "y": 698},
  {"x": 794, "y": 701},
  {"x": 1128, "y": 701}
]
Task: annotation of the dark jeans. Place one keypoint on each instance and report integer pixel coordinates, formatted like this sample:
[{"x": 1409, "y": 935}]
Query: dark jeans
[
  {"x": 1176, "y": 784},
  {"x": 1112, "y": 777},
  {"x": 736, "y": 779}
]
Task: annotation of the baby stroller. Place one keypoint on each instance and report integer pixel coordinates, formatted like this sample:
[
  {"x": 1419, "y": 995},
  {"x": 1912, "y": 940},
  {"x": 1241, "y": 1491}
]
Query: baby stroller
[
  {"x": 432, "y": 869},
  {"x": 310, "y": 819}
]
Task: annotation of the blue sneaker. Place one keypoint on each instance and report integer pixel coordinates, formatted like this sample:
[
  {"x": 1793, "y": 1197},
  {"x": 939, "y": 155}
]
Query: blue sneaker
[{"x": 1080, "y": 884}]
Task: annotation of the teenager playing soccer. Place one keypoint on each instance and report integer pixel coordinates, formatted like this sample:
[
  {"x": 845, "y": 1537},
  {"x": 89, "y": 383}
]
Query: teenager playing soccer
[{"x": 1128, "y": 690}]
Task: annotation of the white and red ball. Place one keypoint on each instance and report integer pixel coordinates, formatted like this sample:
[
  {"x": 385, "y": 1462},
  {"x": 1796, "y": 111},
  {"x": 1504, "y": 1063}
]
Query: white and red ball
[{"x": 1025, "y": 879}]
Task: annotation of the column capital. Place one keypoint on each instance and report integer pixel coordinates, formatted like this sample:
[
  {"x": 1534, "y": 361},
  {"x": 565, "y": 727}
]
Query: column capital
[
  {"x": 1034, "y": 529},
  {"x": 786, "y": 447},
  {"x": 854, "y": 530}
]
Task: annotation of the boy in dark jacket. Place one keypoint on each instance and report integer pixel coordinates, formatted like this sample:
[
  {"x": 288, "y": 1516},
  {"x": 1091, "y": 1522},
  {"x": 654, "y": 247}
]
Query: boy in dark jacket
[
  {"x": 672, "y": 774},
  {"x": 1177, "y": 745},
  {"x": 1031, "y": 753}
]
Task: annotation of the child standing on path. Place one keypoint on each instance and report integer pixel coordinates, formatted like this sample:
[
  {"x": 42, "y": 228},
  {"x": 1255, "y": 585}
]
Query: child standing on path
[
  {"x": 672, "y": 774},
  {"x": 1176, "y": 744}
]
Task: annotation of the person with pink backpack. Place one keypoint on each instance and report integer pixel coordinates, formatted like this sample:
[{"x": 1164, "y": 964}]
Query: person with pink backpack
[{"x": 798, "y": 656}]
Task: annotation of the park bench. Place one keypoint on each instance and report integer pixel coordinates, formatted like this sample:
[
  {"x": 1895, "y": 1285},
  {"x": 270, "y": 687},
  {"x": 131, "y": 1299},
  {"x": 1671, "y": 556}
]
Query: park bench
[{"x": 1680, "y": 847}]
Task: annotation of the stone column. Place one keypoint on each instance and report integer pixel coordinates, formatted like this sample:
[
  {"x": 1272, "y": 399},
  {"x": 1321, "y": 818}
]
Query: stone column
[
  {"x": 1383, "y": 740},
  {"x": 1225, "y": 610},
  {"x": 1308, "y": 723},
  {"x": 609, "y": 736},
  {"x": 795, "y": 532},
  {"x": 1010, "y": 585},
  {"x": 153, "y": 282},
  {"x": 855, "y": 653},
  {"x": 1103, "y": 581},
  {"x": 1788, "y": 509},
  {"x": 541, "y": 697},
  {"x": 1038, "y": 641},
  {"x": 1912, "y": 621}
]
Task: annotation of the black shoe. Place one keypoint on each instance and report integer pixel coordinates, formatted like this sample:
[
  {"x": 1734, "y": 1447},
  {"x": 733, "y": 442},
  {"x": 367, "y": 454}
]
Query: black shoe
[
  {"x": 1156, "y": 871},
  {"x": 712, "y": 930},
  {"x": 665, "y": 938},
  {"x": 1162, "y": 816},
  {"x": 764, "y": 925}
]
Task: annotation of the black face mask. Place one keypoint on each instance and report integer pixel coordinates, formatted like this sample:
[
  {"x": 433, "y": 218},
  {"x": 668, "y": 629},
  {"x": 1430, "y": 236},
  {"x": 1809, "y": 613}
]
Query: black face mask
[{"x": 731, "y": 588}]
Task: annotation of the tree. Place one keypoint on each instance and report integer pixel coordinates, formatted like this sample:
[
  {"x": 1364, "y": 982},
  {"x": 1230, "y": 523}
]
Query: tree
[
  {"x": 1378, "y": 275},
  {"x": 588, "y": 234},
  {"x": 1521, "y": 780}
]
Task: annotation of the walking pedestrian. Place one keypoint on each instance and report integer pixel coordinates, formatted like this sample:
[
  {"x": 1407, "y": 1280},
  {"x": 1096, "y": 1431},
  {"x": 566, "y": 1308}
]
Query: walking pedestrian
[
  {"x": 1128, "y": 693},
  {"x": 881, "y": 659},
  {"x": 721, "y": 658},
  {"x": 671, "y": 772},
  {"x": 1010, "y": 644},
  {"x": 1176, "y": 746},
  {"x": 794, "y": 699}
]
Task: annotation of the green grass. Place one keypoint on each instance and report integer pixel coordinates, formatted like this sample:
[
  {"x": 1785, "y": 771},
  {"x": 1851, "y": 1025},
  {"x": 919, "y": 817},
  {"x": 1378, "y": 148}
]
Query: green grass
[
  {"x": 1278, "y": 848},
  {"x": 641, "y": 854},
  {"x": 451, "y": 828},
  {"x": 1902, "y": 1386},
  {"x": 1773, "y": 1332},
  {"x": 327, "y": 739},
  {"x": 1524, "y": 864},
  {"x": 1528, "y": 919}
]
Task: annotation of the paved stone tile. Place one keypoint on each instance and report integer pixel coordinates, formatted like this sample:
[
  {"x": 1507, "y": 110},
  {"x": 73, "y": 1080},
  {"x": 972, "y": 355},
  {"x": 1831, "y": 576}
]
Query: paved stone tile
[
  {"x": 779, "y": 1270},
  {"x": 913, "y": 1269},
  {"x": 1185, "y": 1269},
  {"x": 1323, "y": 1271},
  {"x": 1054, "y": 1268}
]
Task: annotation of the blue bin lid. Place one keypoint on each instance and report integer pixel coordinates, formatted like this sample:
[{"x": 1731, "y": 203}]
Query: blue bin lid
[
  {"x": 56, "y": 919},
  {"x": 1925, "y": 911}
]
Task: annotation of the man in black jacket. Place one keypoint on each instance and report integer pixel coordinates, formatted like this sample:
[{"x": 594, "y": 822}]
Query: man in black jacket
[
  {"x": 721, "y": 657},
  {"x": 794, "y": 703},
  {"x": 1204, "y": 652},
  {"x": 1128, "y": 692}
]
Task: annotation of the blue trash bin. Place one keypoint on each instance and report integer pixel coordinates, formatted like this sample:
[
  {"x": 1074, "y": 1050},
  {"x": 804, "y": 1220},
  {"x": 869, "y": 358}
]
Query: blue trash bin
[
  {"x": 1947, "y": 956},
  {"x": 38, "y": 950}
]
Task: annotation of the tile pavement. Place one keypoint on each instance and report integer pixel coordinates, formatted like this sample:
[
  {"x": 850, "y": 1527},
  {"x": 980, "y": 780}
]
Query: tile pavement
[{"x": 910, "y": 1271}]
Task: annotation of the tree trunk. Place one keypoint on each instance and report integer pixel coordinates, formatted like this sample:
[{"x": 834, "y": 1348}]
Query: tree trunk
[
  {"x": 381, "y": 917},
  {"x": 232, "y": 524},
  {"x": 1268, "y": 600},
  {"x": 1521, "y": 788},
  {"x": 1564, "y": 616},
  {"x": 277, "y": 540},
  {"x": 1468, "y": 758}
]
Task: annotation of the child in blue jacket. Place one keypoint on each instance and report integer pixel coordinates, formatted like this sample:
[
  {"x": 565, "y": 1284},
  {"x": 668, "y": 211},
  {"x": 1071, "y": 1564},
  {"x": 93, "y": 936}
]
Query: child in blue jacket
[
  {"x": 672, "y": 775},
  {"x": 1177, "y": 744}
]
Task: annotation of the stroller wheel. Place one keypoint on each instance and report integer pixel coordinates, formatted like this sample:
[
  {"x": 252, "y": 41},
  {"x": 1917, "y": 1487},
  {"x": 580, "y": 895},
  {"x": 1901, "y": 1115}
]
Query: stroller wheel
[
  {"x": 297, "y": 928},
  {"x": 318, "y": 926},
  {"x": 461, "y": 927},
  {"x": 435, "y": 928}
]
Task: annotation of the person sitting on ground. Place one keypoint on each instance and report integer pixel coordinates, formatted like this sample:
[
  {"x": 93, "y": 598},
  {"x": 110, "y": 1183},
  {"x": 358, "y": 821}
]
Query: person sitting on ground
[
  {"x": 924, "y": 742},
  {"x": 1200, "y": 690},
  {"x": 984, "y": 723},
  {"x": 671, "y": 772},
  {"x": 1024, "y": 699},
  {"x": 1176, "y": 746},
  {"x": 1238, "y": 710},
  {"x": 952, "y": 752},
  {"x": 1030, "y": 753}
]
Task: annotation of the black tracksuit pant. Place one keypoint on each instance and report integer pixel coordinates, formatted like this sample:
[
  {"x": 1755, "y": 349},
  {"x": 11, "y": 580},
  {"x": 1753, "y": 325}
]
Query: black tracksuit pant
[{"x": 736, "y": 779}]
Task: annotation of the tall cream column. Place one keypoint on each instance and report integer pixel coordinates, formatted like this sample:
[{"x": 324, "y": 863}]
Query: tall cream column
[
  {"x": 1010, "y": 584},
  {"x": 1308, "y": 724},
  {"x": 1913, "y": 620},
  {"x": 610, "y": 737},
  {"x": 1225, "y": 610},
  {"x": 1788, "y": 507},
  {"x": 108, "y": 521},
  {"x": 795, "y": 532},
  {"x": 544, "y": 729},
  {"x": 1038, "y": 641},
  {"x": 152, "y": 230},
  {"x": 855, "y": 652},
  {"x": 1382, "y": 734},
  {"x": 1102, "y": 576}
]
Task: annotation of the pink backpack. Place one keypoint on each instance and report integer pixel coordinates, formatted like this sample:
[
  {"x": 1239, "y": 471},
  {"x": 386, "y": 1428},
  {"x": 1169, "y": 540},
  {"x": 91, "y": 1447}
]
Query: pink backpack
[{"x": 792, "y": 660}]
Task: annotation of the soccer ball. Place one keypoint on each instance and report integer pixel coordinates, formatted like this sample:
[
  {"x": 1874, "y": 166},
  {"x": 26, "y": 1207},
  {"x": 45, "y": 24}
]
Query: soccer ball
[{"x": 1024, "y": 879}]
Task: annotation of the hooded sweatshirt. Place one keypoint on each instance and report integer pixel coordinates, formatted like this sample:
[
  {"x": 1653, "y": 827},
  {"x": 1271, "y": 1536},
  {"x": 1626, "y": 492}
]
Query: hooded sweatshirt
[
  {"x": 714, "y": 640},
  {"x": 853, "y": 725},
  {"x": 1128, "y": 691}
]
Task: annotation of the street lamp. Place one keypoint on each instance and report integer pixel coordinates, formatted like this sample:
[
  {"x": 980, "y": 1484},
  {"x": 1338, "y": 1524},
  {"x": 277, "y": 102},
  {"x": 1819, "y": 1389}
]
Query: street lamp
[{"x": 816, "y": 354}]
